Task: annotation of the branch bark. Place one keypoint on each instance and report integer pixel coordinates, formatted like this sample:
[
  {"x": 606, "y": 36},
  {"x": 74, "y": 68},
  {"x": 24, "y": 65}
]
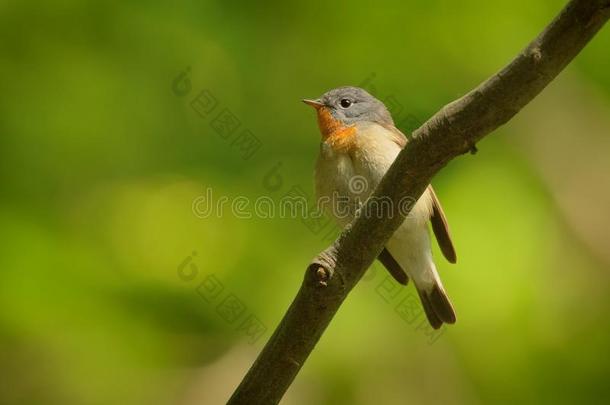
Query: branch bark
[{"x": 452, "y": 131}]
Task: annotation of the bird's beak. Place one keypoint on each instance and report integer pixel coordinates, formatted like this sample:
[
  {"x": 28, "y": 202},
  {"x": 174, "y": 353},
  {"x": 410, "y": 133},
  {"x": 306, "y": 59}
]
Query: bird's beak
[{"x": 314, "y": 103}]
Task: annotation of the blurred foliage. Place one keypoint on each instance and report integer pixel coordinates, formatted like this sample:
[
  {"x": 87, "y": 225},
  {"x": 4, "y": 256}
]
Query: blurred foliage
[{"x": 100, "y": 162}]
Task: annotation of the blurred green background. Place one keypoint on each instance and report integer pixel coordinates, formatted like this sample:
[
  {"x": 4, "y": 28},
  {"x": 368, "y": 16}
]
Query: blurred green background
[{"x": 102, "y": 156}]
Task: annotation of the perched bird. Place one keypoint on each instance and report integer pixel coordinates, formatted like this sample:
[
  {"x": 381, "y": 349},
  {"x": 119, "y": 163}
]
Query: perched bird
[{"x": 359, "y": 143}]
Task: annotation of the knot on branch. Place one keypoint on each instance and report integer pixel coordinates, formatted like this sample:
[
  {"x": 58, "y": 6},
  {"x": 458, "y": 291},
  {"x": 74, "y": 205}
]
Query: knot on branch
[
  {"x": 536, "y": 53},
  {"x": 323, "y": 276},
  {"x": 321, "y": 270}
]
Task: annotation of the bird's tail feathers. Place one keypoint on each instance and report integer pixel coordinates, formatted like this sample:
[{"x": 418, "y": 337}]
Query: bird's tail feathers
[{"x": 436, "y": 303}]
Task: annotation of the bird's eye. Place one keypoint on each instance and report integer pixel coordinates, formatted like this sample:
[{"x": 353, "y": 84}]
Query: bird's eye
[{"x": 345, "y": 102}]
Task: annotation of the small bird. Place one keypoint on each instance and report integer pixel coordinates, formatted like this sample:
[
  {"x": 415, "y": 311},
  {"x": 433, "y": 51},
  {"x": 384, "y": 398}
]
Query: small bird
[{"x": 359, "y": 143}]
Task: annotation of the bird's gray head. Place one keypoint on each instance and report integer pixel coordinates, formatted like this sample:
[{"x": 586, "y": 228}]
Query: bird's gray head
[{"x": 352, "y": 104}]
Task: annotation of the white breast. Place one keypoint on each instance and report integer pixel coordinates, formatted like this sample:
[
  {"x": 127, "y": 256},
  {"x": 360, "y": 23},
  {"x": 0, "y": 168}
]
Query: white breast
[{"x": 355, "y": 174}]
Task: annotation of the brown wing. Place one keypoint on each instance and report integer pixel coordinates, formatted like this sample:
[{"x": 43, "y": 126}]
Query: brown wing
[
  {"x": 393, "y": 267},
  {"x": 438, "y": 220},
  {"x": 441, "y": 228},
  {"x": 397, "y": 136},
  {"x": 385, "y": 257}
]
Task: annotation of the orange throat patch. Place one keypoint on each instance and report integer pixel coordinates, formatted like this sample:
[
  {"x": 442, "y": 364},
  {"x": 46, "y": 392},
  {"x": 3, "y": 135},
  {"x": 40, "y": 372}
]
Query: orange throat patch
[{"x": 339, "y": 136}]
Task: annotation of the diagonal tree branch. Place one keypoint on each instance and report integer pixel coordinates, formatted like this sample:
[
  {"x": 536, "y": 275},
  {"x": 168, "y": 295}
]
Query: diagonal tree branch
[{"x": 453, "y": 131}]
